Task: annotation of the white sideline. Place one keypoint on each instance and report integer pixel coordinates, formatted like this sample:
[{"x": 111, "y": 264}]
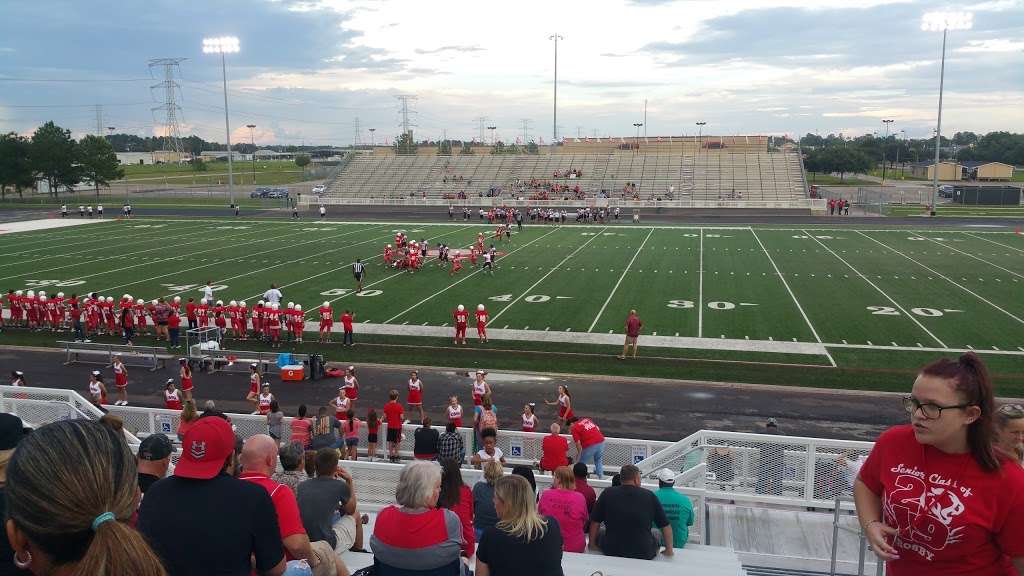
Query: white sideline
[
  {"x": 45, "y": 224},
  {"x": 880, "y": 291}
]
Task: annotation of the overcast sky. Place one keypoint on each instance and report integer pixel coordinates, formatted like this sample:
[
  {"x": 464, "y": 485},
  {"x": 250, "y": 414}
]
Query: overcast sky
[{"x": 308, "y": 69}]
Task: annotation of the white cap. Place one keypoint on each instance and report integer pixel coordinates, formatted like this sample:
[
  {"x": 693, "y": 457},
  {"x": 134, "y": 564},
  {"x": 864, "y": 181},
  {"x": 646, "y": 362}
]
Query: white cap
[
  {"x": 291, "y": 305},
  {"x": 220, "y": 302},
  {"x": 461, "y": 308},
  {"x": 177, "y": 298},
  {"x": 60, "y": 294},
  {"x": 480, "y": 307},
  {"x": 153, "y": 302},
  {"x": 298, "y": 306},
  {"x": 241, "y": 303},
  {"x": 42, "y": 297},
  {"x": 253, "y": 365},
  {"x": 667, "y": 476},
  {"x": 96, "y": 373},
  {"x": 351, "y": 368},
  {"x": 139, "y": 301},
  {"x": 260, "y": 303},
  {"x": 202, "y": 301},
  {"x": 327, "y": 304},
  {"x": 233, "y": 303},
  {"x": 31, "y": 293}
]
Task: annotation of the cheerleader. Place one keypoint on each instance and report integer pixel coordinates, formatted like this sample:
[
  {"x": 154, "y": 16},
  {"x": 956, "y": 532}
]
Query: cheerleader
[
  {"x": 120, "y": 381},
  {"x": 341, "y": 405},
  {"x": 415, "y": 398},
  {"x": 529, "y": 419},
  {"x": 480, "y": 387},
  {"x": 564, "y": 403},
  {"x": 172, "y": 396},
  {"x": 97, "y": 390},
  {"x": 255, "y": 384},
  {"x": 455, "y": 411},
  {"x": 264, "y": 401},
  {"x": 351, "y": 385},
  {"x": 185, "y": 373}
]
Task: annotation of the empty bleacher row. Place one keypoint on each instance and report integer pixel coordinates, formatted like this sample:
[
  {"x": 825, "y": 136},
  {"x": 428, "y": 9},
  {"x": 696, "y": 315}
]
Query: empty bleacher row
[{"x": 701, "y": 175}]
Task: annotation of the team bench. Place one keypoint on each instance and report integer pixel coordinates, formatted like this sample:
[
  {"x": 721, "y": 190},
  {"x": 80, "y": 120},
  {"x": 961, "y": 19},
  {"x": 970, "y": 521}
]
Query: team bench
[{"x": 152, "y": 357}]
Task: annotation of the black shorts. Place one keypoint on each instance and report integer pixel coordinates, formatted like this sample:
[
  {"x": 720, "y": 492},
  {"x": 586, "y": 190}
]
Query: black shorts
[
  {"x": 371, "y": 437},
  {"x": 394, "y": 434},
  {"x": 358, "y": 276},
  {"x": 161, "y": 323}
]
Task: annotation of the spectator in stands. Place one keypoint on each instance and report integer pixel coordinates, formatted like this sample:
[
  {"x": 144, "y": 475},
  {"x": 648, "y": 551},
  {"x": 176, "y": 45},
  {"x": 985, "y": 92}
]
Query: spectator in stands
[
  {"x": 187, "y": 417},
  {"x": 526, "y": 472},
  {"x": 458, "y": 498},
  {"x": 628, "y": 511},
  {"x": 292, "y": 457},
  {"x": 589, "y": 442},
  {"x": 425, "y": 441},
  {"x": 484, "y": 514},
  {"x": 258, "y": 460},
  {"x": 226, "y": 520},
  {"x": 450, "y": 445},
  {"x": 563, "y": 503},
  {"x": 275, "y": 420},
  {"x": 678, "y": 509},
  {"x": 301, "y": 426},
  {"x": 1011, "y": 430},
  {"x": 490, "y": 452},
  {"x": 946, "y": 460},
  {"x": 309, "y": 463},
  {"x": 74, "y": 518},
  {"x": 12, "y": 431},
  {"x": 325, "y": 430},
  {"x": 154, "y": 459},
  {"x": 580, "y": 471},
  {"x": 210, "y": 409},
  {"x": 415, "y": 536},
  {"x": 554, "y": 450},
  {"x": 522, "y": 542},
  {"x": 328, "y": 505}
]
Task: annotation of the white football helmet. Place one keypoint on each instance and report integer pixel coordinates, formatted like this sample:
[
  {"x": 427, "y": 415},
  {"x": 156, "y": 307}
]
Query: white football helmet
[
  {"x": 298, "y": 307},
  {"x": 220, "y": 302},
  {"x": 110, "y": 299},
  {"x": 275, "y": 305},
  {"x": 233, "y": 303},
  {"x": 177, "y": 299},
  {"x": 139, "y": 301},
  {"x": 389, "y": 245},
  {"x": 31, "y": 294},
  {"x": 60, "y": 294},
  {"x": 126, "y": 296},
  {"x": 480, "y": 307},
  {"x": 242, "y": 303},
  {"x": 42, "y": 297},
  {"x": 291, "y": 305},
  {"x": 261, "y": 303},
  {"x": 461, "y": 308},
  {"x": 202, "y": 301},
  {"x": 153, "y": 302}
]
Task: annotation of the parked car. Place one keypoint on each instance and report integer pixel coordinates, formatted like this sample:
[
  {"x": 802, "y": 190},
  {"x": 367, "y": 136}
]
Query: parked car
[
  {"x": 946, "y": 191},
  {"x": 319, "y": 189}
]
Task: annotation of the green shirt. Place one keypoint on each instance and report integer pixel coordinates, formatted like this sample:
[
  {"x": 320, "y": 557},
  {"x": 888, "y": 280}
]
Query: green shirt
[{"x": 679, "y": 511}]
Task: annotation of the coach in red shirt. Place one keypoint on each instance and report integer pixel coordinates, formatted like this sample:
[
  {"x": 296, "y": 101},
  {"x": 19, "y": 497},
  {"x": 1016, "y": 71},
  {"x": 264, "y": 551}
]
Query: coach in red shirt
[
  {"x": 259, "y": 459},
  {"x": 554, "y": 450},
  {"x": 633, "y": 326},
  {"x": 346, "y": 325},
  {"x": 589, "y": 442}
]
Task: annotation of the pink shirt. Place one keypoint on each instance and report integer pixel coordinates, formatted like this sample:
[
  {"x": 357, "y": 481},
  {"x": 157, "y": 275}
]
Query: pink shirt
[{"x": 569, "y": 508}]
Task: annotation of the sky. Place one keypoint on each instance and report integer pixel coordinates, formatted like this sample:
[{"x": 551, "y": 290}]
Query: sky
[{"x": 309, "y": 70}]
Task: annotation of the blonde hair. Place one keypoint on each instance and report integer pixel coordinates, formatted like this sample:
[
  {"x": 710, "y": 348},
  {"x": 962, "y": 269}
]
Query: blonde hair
[
  {"x": 520, "y": 519},
  {"x": 493, "y": 470},
  {"x": 188, "y": 411},
  {"x": 61, "y": 479},
  {"x": 564, "y": 478}
]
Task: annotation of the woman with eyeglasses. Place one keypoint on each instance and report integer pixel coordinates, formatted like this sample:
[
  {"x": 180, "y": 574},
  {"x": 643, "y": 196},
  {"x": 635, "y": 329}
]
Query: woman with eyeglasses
[
  {"x": 1011, "y": 430},
  {"x": 936, "y": 496}
]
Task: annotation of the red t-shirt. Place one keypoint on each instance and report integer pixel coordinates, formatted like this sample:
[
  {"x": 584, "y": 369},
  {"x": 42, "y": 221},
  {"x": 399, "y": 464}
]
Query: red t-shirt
[
  {"x": 393, "y": 412},
  {"x": 346, "y": 322},
  {"x": 554, "y": 450},
  {"x": 288, "y": 518},
  {"x": 953, "y": 517},
  {"x": 173, "y": 321},
  {"x": 586, "y": 432},
  {"x": 633, "y": 325},
  {"x": 190, "y": 311}
]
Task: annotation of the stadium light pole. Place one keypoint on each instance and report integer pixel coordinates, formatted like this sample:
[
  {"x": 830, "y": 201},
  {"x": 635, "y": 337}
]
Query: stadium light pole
[
  {"x": 933, "y": 22},
  {"x": 903, "y": 140},
  {"x": 372, "y": 130},
  {"x": 224, "y": 45},
  {"x": 636, "y": 140},
  {"x": 252, "y": 137},
  {"x": 700, "y": 134},
  {"x": 885, "y": 141},
  {"x": 554, "y": 120},
  {"x": 492, "y": 129}
]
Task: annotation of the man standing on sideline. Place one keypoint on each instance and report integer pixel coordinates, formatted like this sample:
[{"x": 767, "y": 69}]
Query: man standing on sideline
[
  {"x": 633, "y": 326},
  {"x": 358, "y": 270},
  {"x": 323, "y": 212},
  {"x": 346, "y": 326},
  {"x": 208, "y": 291},
  {"x": 273, "y": 295}
]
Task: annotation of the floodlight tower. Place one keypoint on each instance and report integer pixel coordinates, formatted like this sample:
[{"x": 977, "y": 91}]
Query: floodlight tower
[
  {"x": 933, "y": 22},
  {"x": 224, "y": 45},
  {"x": 554, "y": 119},
  {"x": 885, "y": 142}
]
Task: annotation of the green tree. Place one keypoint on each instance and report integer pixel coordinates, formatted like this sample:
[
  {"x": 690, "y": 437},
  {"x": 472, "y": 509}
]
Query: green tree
[
  {"x": 97, "y": 162},
  {"x": 15, "y": 166},
  {"x": 965, "y": 138},
  {"x": 197, "y": 164},
  {"x": 405, "y": 144},
  {"x": 53, "y": 155},
  {"x": 532, "y": 148},
  {"x": 302, "y": 160},
  {"x": 445, "y": 148}
]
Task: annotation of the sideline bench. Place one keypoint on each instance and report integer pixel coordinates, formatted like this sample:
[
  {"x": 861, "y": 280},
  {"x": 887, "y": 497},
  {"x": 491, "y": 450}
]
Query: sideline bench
[
  {"x": 218, "y": 360},
  {"x": 152, "y": 357}
]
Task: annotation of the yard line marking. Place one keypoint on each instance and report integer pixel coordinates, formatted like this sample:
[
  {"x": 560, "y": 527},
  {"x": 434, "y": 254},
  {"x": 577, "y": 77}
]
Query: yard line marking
[
  {"x": 946, "y": 278},
  {"x": 213, "y": 263},
  {"x": 700, "y": 289},
  {"x": 77, "y": 243},
  {"x": 468, "y": 276},
  {"x": 994, "y": 242},
  {"x": 621, "y": 278},
  {"x": 912, "y": 317},
  {"x": 971, "y": 256},
  {"x": 164, "y": 247},
  {"x": 542, "y": 278},
  {"x": 791, "y": 295}
]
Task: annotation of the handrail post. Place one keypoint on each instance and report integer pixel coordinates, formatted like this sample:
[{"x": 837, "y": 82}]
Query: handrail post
[
  {"x": 809, "y": 471},
  {"x": 835, "y": 537}
]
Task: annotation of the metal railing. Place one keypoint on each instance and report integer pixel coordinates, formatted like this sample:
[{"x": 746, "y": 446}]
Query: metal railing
[
  {"x": 793, "y": 204},
  {"x": 40, "y": 406},
  {"x": 154, "y": 357}
]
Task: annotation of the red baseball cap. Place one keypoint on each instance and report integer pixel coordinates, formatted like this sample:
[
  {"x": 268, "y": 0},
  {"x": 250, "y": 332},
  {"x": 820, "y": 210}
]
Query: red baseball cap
[{"x": 207, "y": 445}]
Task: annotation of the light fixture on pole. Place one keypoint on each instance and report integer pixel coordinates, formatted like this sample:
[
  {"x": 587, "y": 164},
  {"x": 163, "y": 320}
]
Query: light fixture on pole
[
  {"x": 252, "y": 136},
  {"x": 636, "y": 140},
  {"x": 903, "y": 140},
  {"x": 224, "y": 45},
  {"x": 885, "y": 142},
  {"x": 554, "y": 119},
  {"x": 372, "y": 130},
  {"x": 700, "y": 133},
  {"x": 933, "y": 22},
  {"x": 110, "y": 131},
  {"x": 492, "y": 129}
]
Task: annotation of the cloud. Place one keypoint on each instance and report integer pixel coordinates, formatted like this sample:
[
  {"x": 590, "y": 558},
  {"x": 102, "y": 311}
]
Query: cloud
[
  {"x": 451, "y": 48},
  {"x": 993, "y": 45}
]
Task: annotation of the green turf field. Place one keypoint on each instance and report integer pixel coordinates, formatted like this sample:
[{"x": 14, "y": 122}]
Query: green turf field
[
  {"x": 958, "y": 211},
  {"x": 858, "y": 301}
]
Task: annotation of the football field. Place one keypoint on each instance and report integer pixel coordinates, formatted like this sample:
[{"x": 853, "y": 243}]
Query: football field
[{"x": 838, "y": 296}]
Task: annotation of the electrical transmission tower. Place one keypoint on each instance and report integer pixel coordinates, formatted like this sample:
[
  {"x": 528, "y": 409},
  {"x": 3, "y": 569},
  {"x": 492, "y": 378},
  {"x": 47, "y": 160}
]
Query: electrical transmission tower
[
  {"x": 404, "y": 100},
  {"x": 169, "y": 90},
  {"x": 483, "y": 126},
  {"x": 99, "y": 120},
  {"x": 526, "y": 130}
]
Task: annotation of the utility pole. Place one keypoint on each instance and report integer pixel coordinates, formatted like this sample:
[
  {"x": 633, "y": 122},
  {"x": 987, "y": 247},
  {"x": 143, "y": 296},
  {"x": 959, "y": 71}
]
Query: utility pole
[
  {"x": 526, "y": 130},
  {"x": 482, "y": 120},
  {"x": 169, "y": 90},
  {"x": 372, "y": 143},
  {"x": 252, "y": 137},
  {"x": 99, "y": 120},
  {"x": 885, "y": 142},
  {"x": 645, "y": 119},
  {"x": 554, "y": 119},
  {"x": 492, "y": 129}
]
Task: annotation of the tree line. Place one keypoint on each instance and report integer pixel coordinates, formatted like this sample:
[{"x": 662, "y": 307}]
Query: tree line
[{"x": 52, "y": 155}]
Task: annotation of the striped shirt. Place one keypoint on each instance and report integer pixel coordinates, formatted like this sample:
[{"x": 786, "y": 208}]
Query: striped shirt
[{"x": 357, "y": 268}]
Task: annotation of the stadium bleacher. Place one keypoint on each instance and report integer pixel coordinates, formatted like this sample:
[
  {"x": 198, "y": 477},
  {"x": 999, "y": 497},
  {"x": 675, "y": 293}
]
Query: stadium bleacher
[
  {"x": 780, "y": 525},
  {"x": 721, "y": 168}
]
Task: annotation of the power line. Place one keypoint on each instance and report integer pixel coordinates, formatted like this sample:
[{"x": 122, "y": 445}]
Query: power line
[
  {"x": 170, "y": 107},
  {"x": 404, "y": 99},
  {"x": 482, "y": 120}
]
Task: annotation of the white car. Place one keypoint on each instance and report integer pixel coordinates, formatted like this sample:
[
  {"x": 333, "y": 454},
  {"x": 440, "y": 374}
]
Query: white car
[{"x": 319, "y": 189}]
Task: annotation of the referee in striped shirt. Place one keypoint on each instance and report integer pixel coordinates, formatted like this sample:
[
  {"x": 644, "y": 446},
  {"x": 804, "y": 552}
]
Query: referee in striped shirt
[{"x": 358, "y": 270}]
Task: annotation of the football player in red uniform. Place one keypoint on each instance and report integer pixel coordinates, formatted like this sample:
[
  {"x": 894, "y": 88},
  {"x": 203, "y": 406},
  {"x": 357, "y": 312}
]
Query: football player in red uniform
[
  {"x": 326, "y": 321},
  {"x": 273, "y": 323},
  {"x": 140, "y": 316},
  {"x": 388, "y": 254},
  {"x": 298, "y": 323},
  {"x": 461, "y": 320},
  {"x": 219, "y": 320},
  {"x": 14, "y": 305},
  {"x": 243, "y": 319},
  {"x": 456, "y": 263},
  {"x": 481, "y": 322},
  {"x": 203, "y": 313}
]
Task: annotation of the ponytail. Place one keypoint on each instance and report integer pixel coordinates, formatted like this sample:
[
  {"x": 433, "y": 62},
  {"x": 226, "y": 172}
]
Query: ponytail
[
  {"x": 118, "y": 549},
  {"x": 972, "y": 381}
]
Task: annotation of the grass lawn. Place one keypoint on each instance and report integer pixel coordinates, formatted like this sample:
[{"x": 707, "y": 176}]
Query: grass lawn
[
  {"x": 830, "y": 180},
  {"x": 893, "y": 175},
  {"x": 268, "y": 172},
  {"x": 829, "y": 307}
]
